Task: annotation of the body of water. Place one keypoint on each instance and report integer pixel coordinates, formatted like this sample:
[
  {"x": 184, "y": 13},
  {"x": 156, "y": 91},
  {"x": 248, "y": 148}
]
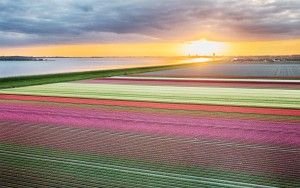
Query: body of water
[{"x": 61, "y": 65}]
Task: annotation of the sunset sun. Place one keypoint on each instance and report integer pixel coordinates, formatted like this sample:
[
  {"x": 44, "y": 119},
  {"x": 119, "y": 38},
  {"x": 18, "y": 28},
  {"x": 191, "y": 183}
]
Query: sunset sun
[{"x": 203, "y": 47}]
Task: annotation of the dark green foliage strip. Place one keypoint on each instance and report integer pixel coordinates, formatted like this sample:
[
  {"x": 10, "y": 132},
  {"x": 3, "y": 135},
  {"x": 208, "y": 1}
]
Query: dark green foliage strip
[{"x": 20, "y": 81}]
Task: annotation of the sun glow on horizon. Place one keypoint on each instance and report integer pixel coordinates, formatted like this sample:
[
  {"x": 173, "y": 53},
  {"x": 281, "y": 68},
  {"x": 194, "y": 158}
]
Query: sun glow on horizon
[
  {"x": 203, "y": 47},
  {"x": 170, "y": 49}
]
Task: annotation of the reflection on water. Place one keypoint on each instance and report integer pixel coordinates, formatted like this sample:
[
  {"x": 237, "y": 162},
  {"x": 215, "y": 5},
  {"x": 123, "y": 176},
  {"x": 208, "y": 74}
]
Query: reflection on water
[
  {"x": 60, "y": 65},
  {"x": 196, "y": 60}
]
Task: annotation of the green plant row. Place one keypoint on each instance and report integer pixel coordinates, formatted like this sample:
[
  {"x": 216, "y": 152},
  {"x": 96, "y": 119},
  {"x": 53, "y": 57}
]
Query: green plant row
[{"x": 11, "y": 82}]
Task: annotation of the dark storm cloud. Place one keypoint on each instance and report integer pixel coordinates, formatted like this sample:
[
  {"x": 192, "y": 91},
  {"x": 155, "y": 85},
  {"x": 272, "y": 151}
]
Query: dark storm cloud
[{"x": 53, "y": 21}]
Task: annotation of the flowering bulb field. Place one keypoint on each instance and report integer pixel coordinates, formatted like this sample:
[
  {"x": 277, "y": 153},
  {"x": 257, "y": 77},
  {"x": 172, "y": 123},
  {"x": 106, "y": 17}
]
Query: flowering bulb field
[
  {"x": 151, "y": 132},
  {"x": 226, "y": 69}
]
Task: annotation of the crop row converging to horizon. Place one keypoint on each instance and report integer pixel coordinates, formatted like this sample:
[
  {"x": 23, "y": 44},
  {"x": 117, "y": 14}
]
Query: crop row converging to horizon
[{"x": 137, "y": 132}]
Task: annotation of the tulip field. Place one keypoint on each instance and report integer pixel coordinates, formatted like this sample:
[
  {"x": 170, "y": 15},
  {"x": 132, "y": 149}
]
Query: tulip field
[
  {"x": 151, "y": 132},
  {"x": 226, "y": 69}
]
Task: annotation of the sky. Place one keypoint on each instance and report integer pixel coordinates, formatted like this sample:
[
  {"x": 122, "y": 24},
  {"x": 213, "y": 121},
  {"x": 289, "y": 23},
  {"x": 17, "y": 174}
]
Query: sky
[{"x": 147, "y": 28}]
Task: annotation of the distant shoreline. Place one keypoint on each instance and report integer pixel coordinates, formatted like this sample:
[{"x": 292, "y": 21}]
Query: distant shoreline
[
  {"x": 21, "y": 58},
  {"x": 294, "y": 59}
]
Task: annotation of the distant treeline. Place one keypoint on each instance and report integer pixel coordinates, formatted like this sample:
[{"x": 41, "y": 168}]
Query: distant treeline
[{"x": 20, "y": 58}]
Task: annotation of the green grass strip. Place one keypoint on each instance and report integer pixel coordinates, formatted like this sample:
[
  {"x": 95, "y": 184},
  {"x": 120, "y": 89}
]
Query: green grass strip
[
  {"x": 20, "y": 81},
  {"x": 277, "y": 98}
]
